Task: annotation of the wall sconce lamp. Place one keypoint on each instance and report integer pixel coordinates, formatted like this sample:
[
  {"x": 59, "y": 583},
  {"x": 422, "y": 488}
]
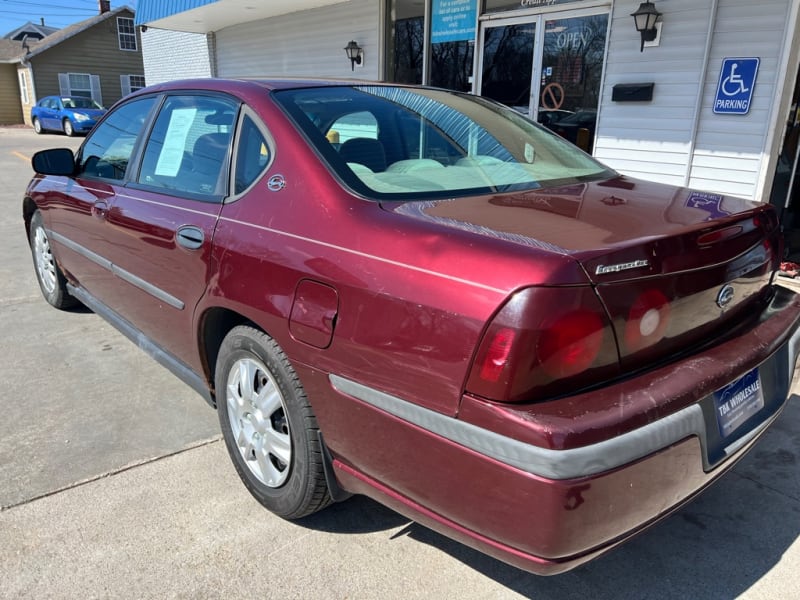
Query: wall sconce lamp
[
  {"x": 646, "y": 17},
  {"x": 355, "y": 53}
]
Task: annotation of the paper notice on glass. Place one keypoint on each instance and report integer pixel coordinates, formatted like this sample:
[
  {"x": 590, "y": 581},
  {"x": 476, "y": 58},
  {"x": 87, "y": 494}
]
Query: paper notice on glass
[{"x": 171, "y": 157}]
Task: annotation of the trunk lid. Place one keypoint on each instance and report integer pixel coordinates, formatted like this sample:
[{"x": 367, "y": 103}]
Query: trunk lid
[{"x": 673, "y": 267}]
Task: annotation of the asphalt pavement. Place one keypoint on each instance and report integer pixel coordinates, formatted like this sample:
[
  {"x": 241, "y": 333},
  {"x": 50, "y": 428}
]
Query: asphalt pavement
[{"x": 114, "y": 483}]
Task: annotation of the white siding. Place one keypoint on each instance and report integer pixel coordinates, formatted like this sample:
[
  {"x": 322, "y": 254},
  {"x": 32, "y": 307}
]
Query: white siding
[
  {"x": 729, "y": 149},
  {"x": 171, "y": 55},
  {"x": 307, "y": 43},
  {"x": 673, "y": 139},
  {"x": 653, "y": 139}
]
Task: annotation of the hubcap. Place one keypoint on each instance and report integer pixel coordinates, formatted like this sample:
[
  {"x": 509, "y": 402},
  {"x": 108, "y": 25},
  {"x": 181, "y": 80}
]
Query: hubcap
[
  {"x": 257, "y": 414},
  {"x": 45, "y": 265}
]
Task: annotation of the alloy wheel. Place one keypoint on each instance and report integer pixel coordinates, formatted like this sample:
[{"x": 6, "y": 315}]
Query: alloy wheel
[
  {"x": 257, "y": 415},
  {"x": 45, "y": 265}
]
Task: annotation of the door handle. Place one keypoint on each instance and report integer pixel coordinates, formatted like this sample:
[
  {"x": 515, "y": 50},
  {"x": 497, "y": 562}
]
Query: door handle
[{"x": 190, "y": 237}]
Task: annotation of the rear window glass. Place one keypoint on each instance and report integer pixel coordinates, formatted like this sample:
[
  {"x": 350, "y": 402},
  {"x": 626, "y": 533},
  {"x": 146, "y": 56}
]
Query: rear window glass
[
  {"x": 392, "y": 142},
  {"x": 187, "y": 152}
]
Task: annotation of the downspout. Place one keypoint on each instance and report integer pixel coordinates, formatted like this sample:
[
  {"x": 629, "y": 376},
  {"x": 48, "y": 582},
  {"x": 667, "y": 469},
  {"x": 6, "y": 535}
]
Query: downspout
[
  {"x": 426, "y": 45},
  {"x": 712, "y": 21},
  {"x": 211, "y": 44}
]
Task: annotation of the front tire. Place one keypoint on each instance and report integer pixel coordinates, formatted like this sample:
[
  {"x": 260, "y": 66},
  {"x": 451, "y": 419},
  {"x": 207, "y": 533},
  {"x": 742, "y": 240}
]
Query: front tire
[
  {"x": 37, "y": 126},
  {"x": 51, "y": 280},
  {"x": 269, "y": 428},
  {"x": 68, "y": 128}
]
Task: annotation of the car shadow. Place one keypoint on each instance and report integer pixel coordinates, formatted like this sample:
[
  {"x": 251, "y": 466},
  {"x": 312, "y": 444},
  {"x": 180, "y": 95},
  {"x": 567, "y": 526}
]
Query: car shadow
[
  {"x": 80, "y": 309},
  {"x": 718, "y": 546}
]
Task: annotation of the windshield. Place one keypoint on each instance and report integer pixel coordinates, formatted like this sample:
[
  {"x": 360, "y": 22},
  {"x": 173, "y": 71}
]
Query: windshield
[
  {"x": 398, "y": 143},
  {"x": 80, "y": 103}
]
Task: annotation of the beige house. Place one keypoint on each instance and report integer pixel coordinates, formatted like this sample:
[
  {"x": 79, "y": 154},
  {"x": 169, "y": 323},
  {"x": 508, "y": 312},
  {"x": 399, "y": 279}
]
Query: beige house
[
  {"x": 10, "y": 106},
  {"x": 99, "y": 57}
]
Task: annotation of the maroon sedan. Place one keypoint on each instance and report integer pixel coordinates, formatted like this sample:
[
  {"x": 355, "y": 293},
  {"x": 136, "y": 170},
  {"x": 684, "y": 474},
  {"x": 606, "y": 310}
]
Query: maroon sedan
[{"x": 421, "y": 296}]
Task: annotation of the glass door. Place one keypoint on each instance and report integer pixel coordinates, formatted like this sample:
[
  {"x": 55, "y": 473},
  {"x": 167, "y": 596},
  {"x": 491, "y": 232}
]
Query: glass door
[
  {"x": 785, "y": 193},
  {"x": 563, "y": 66},
  {"x": 572, "y": 69},
  {"x": 507, "y": 63}
]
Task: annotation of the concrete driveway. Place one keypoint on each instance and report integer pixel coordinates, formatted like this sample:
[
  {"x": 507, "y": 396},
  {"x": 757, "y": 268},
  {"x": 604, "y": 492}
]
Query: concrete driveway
[{"x": 114, "y": 483}]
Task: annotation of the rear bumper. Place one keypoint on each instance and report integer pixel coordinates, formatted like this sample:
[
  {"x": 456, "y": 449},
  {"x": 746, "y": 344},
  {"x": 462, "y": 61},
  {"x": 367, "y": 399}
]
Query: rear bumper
[{"x": 551, "y": 486}]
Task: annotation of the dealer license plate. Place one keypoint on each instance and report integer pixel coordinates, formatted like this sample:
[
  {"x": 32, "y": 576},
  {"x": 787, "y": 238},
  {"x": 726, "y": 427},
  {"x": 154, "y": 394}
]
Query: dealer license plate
[{"x": 738, "y": 401}]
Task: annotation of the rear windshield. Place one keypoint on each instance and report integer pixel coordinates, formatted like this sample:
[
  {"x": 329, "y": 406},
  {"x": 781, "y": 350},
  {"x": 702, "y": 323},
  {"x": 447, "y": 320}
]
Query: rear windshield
[{"x": 391, "y": 142}]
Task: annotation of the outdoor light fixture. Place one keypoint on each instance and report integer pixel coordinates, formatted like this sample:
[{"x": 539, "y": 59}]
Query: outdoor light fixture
[
  {"x": 355, "y": 53},
  {"x": 645, "y": 18}
]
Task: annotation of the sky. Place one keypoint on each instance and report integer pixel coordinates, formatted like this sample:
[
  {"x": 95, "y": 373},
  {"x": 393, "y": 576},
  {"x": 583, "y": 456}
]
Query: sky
[{"x": 56, "y": 13}]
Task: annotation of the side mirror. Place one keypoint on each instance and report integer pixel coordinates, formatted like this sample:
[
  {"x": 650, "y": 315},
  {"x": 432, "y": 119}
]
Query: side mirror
[{"x": 57, "y": 161}]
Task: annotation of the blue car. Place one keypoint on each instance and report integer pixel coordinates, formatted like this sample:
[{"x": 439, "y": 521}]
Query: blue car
[{"x": 70, "y": 114}]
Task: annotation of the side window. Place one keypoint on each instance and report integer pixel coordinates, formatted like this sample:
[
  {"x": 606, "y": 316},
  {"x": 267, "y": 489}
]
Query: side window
[
  {"x": 108, "y": 148},
  {"x": 252, "y": 155},
  {"x": 188, "y": 150}
]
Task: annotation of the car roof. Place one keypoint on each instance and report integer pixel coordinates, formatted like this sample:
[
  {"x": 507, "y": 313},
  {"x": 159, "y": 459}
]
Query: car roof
[{"x": 278, "y": 83}]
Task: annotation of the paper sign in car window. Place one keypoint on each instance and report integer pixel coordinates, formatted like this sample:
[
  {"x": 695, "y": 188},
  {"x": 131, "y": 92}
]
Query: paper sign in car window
[{"x": 171, "y": 157}]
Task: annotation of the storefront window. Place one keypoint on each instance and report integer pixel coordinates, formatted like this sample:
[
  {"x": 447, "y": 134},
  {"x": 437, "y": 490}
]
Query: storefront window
[
  {"x": 405, "y": 41},
  {"x": 503, "y": 5},
  {"x": 453, "y": 27},
  {"x": 451, "y": 65}
]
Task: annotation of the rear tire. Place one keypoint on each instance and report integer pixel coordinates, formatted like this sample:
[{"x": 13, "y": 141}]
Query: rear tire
[
  {"x": 68, "y": 128},
  {"x": 37, "y": 126},
  {"x": 269, "y": 428},
  {"x": 51, "y": 280}
]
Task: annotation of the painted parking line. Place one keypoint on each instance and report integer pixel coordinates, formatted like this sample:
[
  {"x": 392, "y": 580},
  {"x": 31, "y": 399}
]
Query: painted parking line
[{"x": 20, "y": 155}]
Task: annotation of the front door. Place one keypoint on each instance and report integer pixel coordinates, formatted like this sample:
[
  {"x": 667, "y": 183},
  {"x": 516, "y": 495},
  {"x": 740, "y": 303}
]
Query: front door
[{"x": 548, "y": 67}]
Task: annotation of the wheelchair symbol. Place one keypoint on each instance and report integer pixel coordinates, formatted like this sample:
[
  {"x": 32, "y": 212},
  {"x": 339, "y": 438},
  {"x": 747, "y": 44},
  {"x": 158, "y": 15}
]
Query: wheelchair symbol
[{"x": 734, "y": 81}]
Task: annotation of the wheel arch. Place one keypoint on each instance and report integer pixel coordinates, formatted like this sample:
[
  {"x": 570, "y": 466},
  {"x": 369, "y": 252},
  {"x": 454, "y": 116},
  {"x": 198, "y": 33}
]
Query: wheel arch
[
  {"x": 215, "y": 324},
  {"x": 28, "y": 208}
]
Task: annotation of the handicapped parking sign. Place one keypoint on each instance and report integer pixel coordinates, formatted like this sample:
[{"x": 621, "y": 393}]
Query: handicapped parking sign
[{"x": 737, "y": 78}]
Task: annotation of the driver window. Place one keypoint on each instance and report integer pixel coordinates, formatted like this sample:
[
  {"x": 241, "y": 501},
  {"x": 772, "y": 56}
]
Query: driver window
[{"x": 108, "y": 148}]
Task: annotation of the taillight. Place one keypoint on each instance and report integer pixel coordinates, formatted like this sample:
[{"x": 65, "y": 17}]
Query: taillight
[
  {"x": 544, "y": 342},
  {"x": 647, "y": 321},
  {"x": 497, "y": 354},
  {"x": 571, "y": 343}
]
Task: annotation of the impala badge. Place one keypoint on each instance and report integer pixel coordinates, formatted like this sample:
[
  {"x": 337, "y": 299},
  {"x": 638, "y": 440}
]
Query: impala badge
[
  {"x": 725, "y": 296},
  {"x": 603, "y": 269}
]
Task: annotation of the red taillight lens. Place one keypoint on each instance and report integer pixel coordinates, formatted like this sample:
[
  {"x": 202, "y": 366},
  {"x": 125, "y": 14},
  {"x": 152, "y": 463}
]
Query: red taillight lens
[
  {"x": 647, "y": 321},
  {"x": 571, "y": 344},
  {"x": 497, "y": 354},
  {"x": 544, "y": 342}
]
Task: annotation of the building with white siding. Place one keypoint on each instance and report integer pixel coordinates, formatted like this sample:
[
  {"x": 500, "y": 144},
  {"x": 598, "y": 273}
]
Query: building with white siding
[{"x": 576, "y": 64}]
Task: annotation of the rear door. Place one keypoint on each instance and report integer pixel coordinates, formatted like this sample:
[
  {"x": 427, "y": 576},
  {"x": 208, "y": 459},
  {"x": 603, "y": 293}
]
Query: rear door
[{"x": 161, "y": 226}]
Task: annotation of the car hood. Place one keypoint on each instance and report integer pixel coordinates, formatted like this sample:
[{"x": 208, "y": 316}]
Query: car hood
[
  {"x": 94, "y": 113},
  {"x": 606, "y": 223}
]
